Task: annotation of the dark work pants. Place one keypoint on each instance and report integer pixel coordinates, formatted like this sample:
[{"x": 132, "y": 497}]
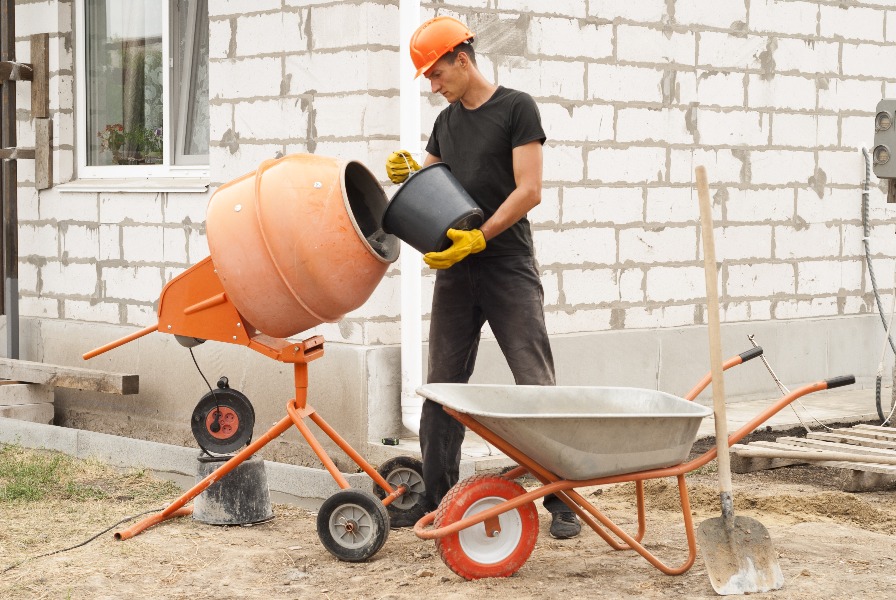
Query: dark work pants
[{"x": 506, "y": 292}]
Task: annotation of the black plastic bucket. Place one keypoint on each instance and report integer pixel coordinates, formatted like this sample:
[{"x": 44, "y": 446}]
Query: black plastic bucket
[{"x": 429, "y": 203}]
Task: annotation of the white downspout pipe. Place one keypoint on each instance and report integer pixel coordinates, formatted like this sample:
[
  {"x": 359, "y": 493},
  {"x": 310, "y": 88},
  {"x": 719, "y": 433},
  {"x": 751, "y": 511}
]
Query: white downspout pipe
[{"x": 410, "y": 262}]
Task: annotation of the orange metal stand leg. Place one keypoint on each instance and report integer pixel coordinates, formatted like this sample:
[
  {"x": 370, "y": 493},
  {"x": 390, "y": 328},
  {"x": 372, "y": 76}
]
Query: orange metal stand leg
[{"x": 173, "y": 509}]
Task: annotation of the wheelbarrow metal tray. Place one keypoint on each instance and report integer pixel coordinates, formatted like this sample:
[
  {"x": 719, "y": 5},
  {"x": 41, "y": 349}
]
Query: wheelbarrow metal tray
[{"x": 581, "y": 432}]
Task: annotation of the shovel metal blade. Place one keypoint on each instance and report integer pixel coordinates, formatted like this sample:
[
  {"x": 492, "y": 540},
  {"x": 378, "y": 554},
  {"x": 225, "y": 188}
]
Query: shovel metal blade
[{"x": 739, "y": 556}]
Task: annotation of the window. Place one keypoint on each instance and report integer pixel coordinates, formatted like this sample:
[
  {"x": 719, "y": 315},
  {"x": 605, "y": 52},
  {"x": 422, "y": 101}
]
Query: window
[{"x": 138, "y": 118}]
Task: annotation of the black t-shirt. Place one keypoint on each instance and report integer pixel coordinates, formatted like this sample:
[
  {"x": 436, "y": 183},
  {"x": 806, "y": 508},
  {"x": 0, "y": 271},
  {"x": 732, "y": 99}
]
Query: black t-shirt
[{"x": 478, "y": 147}]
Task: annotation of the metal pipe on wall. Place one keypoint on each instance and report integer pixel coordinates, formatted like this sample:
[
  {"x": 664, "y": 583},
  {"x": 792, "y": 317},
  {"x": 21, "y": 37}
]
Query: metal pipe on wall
[
  {"x": 410, "y": 261},
  {"x": 8, "y": 183}
]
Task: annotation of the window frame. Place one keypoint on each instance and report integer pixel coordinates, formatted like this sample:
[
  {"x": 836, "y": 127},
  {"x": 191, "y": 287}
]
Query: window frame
[{"x": 165, "y": 170}]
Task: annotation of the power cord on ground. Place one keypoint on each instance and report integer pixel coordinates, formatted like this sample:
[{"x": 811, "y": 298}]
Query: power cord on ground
[
  {"x": 866, "y": 232},
  {"x": 84, "y": 543}
]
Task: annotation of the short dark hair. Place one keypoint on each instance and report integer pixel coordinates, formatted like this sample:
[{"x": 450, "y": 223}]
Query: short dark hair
[{"x": 465, "y": 47}]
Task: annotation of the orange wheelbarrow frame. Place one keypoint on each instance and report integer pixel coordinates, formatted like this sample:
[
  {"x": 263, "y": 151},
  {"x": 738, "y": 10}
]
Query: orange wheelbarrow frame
[{"x": 587, "y": 512}]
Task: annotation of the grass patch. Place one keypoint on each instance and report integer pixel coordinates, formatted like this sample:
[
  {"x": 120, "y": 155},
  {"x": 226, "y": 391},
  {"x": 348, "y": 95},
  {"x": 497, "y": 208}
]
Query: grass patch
[{"x": 28, "y": 475}]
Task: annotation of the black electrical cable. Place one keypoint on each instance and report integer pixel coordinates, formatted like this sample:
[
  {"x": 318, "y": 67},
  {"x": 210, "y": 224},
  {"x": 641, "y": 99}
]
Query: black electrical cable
[
  {"x": 84, "y": 543},
  {"x": 216, "y": 425},
  {"x": 866, "y": 230}
]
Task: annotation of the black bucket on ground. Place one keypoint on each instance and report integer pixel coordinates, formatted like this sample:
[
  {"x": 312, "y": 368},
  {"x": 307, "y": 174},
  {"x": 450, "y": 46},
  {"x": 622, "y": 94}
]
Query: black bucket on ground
[
  {"x": 428, "y": 204},
  {"x": 239, "y": 498}
]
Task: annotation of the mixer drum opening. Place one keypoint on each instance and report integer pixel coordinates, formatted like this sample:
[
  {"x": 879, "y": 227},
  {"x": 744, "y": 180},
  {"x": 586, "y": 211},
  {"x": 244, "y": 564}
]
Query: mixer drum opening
[{"x": 366, "y": 204}]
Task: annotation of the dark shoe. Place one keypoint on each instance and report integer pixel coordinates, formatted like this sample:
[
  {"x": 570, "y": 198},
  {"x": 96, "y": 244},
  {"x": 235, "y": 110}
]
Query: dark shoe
[{"x": 565, "y": 525}]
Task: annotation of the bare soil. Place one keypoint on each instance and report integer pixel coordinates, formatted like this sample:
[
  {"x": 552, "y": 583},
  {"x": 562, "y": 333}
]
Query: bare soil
[{"x": 830, "y": 544}]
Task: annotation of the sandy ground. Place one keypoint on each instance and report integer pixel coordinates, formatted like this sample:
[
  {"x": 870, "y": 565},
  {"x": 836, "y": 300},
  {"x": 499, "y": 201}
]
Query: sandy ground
[{"x": 830, "y": 544}]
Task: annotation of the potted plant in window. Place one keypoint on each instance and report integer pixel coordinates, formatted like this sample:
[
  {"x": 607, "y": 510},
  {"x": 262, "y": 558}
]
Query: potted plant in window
[{"x": 136, "y": 146}]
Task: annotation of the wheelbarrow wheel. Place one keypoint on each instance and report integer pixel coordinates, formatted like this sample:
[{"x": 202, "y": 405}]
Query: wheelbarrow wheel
[
  {"x": 352, "y": 525},
  {"x": 407, "y": 509},
  {"x": 473, "y": 553}
]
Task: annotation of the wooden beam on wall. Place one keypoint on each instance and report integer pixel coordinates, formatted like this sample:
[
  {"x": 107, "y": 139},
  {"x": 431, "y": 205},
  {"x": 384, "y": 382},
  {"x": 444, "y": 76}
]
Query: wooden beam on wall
[
  {"x": 40, "y": 80},
  {"x": 43, "y": 153}
]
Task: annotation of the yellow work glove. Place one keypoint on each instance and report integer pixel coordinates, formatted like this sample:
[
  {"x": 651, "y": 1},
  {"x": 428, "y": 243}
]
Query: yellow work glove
[
  {"x": 399, "y": 165},
  {"x": 465, "y": 243}
]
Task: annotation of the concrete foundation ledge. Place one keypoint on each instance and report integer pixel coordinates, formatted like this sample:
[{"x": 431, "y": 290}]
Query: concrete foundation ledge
[{"x": 296, "y": 482}]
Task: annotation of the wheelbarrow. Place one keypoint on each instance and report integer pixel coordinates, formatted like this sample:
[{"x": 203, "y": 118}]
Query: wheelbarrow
[{"x": 571, "y": 437}]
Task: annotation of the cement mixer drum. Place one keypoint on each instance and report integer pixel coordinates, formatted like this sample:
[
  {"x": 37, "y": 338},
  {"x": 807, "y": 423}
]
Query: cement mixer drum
[{"x": 298, "y": 242}]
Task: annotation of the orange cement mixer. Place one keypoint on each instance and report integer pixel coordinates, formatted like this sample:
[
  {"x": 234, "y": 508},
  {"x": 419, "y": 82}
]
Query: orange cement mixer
[
  {"x": 298, "y": 242},
  {"x": 295, "y": 243}
]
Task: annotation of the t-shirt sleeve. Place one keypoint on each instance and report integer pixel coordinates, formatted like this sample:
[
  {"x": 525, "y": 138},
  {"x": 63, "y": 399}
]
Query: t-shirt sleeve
[
  {"x": 525, "y": 122},
  {"x": 432, "y": 145}
]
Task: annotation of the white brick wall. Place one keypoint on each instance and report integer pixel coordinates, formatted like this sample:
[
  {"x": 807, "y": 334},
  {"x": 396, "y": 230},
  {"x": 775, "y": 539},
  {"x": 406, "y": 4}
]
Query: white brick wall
[
  {"x": 710, "y": 13},
  {"x": 650, "y": 45},
  {"x": 783, "y": 16},
  {"x": 773, "y": 97},
  {"x": 652, "y": 125},
  {"x": 569, "y": 38},
  {"x": 781, "y": 92},
  {"x": 851, "y": 22},
  {"x": 270, "y": 33},
  {"x": 623, "y": 84},
  {"x": 651, "y": 11},
  {"x": 759, "y": 280},
  {"x": 609, "y": 205},
  {"x": 590, "y": 286},
  {"x": 631, "y": 165},
  {"x": 672, "y": 284},
  {"x": 667, "y": 244},
  {"x": 732, "y": 127}
]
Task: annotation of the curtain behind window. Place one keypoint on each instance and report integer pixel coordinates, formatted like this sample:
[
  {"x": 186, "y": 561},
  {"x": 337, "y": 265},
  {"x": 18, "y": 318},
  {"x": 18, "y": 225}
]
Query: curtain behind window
[{"x": 124, "y": 79}]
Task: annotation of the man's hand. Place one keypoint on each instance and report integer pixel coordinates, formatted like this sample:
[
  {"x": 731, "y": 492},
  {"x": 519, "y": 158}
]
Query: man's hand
[
  {"x": 399, "y": 165},
  {"x": 465, "y": 243}
]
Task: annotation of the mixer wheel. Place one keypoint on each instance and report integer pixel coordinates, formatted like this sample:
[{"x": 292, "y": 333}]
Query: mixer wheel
[
  {"x": 474, "y": 552},
  {"x": 352, "y": 525},
  {"x": 223, "y": 420},
  {"x": 407, "y": 509}
]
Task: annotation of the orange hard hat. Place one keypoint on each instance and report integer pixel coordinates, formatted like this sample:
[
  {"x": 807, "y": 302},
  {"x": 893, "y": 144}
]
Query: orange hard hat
[{"x": 436, "y": 38}]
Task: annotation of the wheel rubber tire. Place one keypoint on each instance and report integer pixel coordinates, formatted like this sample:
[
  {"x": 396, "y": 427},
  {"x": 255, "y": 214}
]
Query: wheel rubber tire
[
  {"x": 407, "y": 509},
  {"x": 470, "y": 552},
  {"x": 352, "y": 525}
]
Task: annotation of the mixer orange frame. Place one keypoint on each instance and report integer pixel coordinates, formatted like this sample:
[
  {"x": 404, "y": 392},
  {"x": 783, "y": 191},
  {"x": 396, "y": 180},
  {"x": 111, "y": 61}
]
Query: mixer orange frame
[{"x": 195, "y": 305}]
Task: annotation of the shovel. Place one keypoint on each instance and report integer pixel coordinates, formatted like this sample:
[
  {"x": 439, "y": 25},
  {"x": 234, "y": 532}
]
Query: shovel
[{"x": 738, "y": 551}]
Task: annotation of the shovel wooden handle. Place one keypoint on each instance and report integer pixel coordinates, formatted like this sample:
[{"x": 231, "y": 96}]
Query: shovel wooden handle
[{"x": 715, "y": 338}]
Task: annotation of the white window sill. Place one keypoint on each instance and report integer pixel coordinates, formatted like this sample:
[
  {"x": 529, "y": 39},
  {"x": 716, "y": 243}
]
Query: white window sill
[{"x": 137, "y": 184}]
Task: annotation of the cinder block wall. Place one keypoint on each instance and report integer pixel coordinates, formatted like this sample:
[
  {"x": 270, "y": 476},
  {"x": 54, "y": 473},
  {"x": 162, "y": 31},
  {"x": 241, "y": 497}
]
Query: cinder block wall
[{"x": 774, "y": 98}]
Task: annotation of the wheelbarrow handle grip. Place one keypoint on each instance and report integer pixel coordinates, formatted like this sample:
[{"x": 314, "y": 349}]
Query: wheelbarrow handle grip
[
  {"x": 835, "y": 382},
  {"x": 750, "y": 354}
]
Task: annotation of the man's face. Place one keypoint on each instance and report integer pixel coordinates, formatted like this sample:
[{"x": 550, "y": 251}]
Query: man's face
[{"x": 447, "y": 79}]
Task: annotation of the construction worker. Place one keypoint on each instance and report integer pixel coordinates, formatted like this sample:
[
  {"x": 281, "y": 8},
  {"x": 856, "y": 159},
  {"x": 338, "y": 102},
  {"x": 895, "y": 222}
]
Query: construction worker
[{"x": 491, "y": 137}]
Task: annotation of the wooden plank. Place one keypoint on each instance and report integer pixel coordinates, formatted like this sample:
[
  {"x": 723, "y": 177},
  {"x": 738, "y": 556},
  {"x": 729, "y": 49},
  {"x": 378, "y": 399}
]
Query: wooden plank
[
  {"x": 13, "y": 71},
  {"x": 872, "y": 435},
  {"x": 40, "y": 81},
  {"x": 775, "y": 447},
  {"x": 835, "y": 447},
  {"x": 887, "y": 432},
  {"x": 43, "y": 153},
  {"x": 750, "y": 464},
  {"x": 16, "y": 153},
  {"x": 854, "y": 477},
  {"x": 69, "y": 377},
  {"x": 853, "y": 440}
]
